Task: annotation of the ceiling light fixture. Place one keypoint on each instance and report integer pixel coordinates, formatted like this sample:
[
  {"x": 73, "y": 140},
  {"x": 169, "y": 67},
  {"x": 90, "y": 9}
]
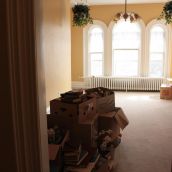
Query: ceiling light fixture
[{"x": 131, "y": 16}]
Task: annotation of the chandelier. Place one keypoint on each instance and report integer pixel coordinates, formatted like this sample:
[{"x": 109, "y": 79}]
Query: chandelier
[{"x": 131, "y": 16}]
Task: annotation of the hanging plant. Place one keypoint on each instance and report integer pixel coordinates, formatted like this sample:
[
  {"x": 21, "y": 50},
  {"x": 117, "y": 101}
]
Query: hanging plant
[
  {"x": 167, "y": 12},
  {"x": 81, "y": 15}
]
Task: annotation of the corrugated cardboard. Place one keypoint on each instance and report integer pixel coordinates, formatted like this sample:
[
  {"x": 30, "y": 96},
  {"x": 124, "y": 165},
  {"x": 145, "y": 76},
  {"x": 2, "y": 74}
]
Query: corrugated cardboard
[
  {"x": 53, "y": 150},
  {"x": 121, "y": 118},
  {"x": 107, "y": 121},
  {"x": 104, "y": 103},
  {"x": 78, "y": 112},
  {"x": 166, "y": 91},
  {"x": 116, "y": 117}
]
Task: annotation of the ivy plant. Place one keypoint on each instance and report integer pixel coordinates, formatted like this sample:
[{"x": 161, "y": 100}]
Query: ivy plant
[
  {"x": 81, "y": 15},
  {"x": 167, "y": 12}
]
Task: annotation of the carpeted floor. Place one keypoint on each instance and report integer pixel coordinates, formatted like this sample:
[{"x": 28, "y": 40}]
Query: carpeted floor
[{"x": 147, "y": 141}]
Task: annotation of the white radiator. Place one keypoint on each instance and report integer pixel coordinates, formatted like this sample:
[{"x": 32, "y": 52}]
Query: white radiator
[{"x": 127, "y": 83}]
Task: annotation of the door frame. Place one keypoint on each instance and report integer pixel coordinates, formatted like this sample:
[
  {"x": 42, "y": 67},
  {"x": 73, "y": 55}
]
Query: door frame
[{"x": 24, "y": 75}]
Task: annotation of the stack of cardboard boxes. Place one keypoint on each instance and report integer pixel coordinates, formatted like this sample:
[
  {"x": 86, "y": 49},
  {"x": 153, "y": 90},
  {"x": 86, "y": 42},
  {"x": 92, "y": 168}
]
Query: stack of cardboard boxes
[
  {"x": 84, "y": 116},
  {"x": 109, "y": 118}
]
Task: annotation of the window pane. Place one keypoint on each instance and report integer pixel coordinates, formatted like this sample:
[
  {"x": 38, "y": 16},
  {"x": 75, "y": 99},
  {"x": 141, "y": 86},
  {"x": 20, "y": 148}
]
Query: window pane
[
  {"x": 157, "y": 39},
  {"x": 96, "y": 50},
  {"x": 126, "y": 41},
  {"x": 96, "y": 64},
  {"x": 125, "y": 62},
  {"x": 96, "y": 40},
  {"x": 156, "y": 65},
  {"x": 126, "y": 35},
  {"x": 156, "y": 54}
]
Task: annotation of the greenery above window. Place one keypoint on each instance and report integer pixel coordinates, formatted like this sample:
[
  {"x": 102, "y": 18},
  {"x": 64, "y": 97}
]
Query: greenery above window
[
  {"x": 81, "y": 15},
  {"x": 167, "y": 12}
]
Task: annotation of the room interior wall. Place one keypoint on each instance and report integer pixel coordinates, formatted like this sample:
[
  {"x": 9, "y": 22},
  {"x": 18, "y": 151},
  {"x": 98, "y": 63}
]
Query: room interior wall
[
  {"x": 106, "y": 14},
  {"x": 56, "y": 37}
]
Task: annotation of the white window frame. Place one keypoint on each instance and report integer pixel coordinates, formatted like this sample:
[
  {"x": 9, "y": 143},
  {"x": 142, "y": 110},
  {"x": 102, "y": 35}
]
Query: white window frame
[
  {"x": 167, "y": 58},
  {"x": 141, "y": 50},
  {"x": 98, "y": 52},
  {"x": 144, "y": 51},
  {"x": 86, "y": 59}
]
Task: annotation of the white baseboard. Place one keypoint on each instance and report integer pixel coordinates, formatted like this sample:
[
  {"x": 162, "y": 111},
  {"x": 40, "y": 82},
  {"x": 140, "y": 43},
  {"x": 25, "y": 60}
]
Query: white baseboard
[{"x": 78, "y": 85}]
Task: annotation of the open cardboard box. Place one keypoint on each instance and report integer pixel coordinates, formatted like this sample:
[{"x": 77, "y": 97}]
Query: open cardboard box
[
  {"x": 121, "y": 117},
  {"x": 113, "y": 119},
  {"x": 105, "y": 99}
]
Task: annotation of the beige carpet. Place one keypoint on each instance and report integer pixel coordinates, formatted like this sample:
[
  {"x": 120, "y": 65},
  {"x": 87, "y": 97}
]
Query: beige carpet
[{"x": 147, "y": 141}]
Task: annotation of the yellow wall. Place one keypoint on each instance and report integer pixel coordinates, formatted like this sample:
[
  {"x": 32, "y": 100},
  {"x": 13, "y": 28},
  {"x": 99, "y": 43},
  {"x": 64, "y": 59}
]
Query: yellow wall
[
  {"x": 106, "y": 14},
  {"x": 56, "y": 47}
]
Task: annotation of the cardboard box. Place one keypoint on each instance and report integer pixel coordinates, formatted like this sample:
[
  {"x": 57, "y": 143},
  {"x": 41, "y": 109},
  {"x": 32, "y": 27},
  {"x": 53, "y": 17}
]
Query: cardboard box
[
  {"x": 107, "y": 121},
  {"x": 108, "y": 165},
  {"x": 53, "y": 151},
  {"x": 77, "y": 112},
  {"x": 105, "y": 99},
  {"x": 86, "y": 164},
  {"x": 121, "y": 118},
  {"x": 166, "y": 91},
  {"x": 87, "y": 132},
  {"x": 105, "y": 104},
  {"x": 60, "y": 120},
  {"x": 55, "y": 154},
  {"x": 55, "y": 148},
  {"x": 113, "y": 120}
]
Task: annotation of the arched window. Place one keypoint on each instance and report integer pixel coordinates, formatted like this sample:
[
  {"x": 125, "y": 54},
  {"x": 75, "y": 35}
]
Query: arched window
[
  {"x": 156, "y": 51},
  {"x": 127, "y": 49},
  {"x": 126, "y": 45},
  {"x": 96, "y": 50},
  {"x": 158, "y": 48}
]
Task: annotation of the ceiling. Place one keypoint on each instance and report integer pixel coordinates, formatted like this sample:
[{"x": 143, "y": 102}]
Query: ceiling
[{"x": 103, "y": 2}]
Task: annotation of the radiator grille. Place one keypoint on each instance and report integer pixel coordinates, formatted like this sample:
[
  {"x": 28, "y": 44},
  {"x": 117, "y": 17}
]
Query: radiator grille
[{"x": 128, "y": 83}]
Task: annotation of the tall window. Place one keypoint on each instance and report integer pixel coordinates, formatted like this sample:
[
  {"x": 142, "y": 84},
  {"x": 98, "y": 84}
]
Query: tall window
[
  {"x": 156, "y": 51},
  {"x": 96, "y": 50},
  {"x": 126, "y": 43},
  {"x": 126, "y": 49}
]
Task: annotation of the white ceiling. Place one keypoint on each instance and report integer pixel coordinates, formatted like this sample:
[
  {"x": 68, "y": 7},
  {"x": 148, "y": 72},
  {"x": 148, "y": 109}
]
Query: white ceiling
[{"x": 103, "y": 2}]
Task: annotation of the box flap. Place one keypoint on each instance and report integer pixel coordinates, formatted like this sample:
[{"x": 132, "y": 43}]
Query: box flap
[
  {"x": 121, "y": 118},
  {"x": 118, "y": 115},
  {"x": 53, "y": 150}
]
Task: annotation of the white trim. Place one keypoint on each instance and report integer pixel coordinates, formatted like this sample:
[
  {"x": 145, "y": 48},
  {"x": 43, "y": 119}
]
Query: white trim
[
  {"x": 142, "y": 50},
  {"x": 78, "y": 85},
  {"x": 167, "y": 29},
  {"x": 109, "y": 39},
  {"x": 41, "y": 100},
  {"x": 101, "y": 24},
  {"x": 169, "y": 55}
]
